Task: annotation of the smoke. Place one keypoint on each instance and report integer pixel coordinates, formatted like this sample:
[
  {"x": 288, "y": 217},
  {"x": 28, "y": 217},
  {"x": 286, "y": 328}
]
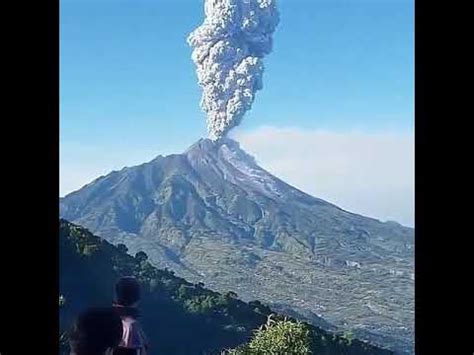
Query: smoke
[{"x": 228, "y": 51}]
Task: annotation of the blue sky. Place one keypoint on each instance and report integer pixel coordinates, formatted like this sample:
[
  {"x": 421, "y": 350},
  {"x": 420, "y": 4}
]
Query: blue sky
[{"x": 129, "y": 90}]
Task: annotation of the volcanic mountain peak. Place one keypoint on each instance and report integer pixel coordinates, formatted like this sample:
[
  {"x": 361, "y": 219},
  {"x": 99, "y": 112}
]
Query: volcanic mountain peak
[
  {"x": 212, "y": 214},
  {"x": 232, "y": 164},
  {"x": 206, "y": 145},
  {"x": 225, "y": 149}
]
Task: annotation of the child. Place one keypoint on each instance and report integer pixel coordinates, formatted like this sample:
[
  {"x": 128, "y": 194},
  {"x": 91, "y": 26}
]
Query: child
[
  {"x": 134, "y": 341},
  {"x": 96, "y": 331}
]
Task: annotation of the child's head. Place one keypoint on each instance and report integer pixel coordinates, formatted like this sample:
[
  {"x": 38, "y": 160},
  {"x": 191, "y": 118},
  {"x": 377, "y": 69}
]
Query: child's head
[
  {"x": 95, "y": 331},
  {"x": 127, "y": 291}
]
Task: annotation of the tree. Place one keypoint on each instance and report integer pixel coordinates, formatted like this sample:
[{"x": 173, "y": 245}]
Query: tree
[
  {"x": 231, "y": 294},
  {"x": 348, "y": 336},
  {"x": 278, "y": 337},
  {"x": 182, "y": 292},
  {"x": 141, "y": 256},
  {"x": 89, "y": 249},
  {"x": 122, "y": 248}
]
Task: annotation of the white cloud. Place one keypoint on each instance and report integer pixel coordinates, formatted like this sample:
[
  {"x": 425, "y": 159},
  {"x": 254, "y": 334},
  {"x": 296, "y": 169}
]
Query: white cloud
[{"x": 370, "y": 174}]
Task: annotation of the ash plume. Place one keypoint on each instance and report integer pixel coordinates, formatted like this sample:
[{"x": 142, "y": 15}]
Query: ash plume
[{"x": 228, "y": 49}]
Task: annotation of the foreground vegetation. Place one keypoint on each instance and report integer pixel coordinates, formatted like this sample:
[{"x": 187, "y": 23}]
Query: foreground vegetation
[
  {"x": 277, "y": 337},
  {"x": 178, "y": 316}
]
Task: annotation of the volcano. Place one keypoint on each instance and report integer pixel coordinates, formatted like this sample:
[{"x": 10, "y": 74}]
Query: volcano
[{"x": 213, "y": 215}]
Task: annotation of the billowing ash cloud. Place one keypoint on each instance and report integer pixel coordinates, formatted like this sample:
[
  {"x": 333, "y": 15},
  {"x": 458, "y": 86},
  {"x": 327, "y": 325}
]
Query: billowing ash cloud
[{"x": 228, "y": 51}]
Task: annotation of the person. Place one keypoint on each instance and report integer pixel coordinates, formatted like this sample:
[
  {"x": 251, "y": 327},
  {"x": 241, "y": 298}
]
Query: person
[
  {"x": 127, "y": 296},
  {"x": 96, "y": 331}
]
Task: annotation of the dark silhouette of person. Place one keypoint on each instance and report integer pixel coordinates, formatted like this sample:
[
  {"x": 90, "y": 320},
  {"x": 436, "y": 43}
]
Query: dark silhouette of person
[
  {"x": 96, "y": 331},
  {"x": 127, "y": 296}
]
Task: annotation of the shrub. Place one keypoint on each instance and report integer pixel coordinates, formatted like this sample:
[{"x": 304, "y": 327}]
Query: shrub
[{"x": 277, "y": 337}]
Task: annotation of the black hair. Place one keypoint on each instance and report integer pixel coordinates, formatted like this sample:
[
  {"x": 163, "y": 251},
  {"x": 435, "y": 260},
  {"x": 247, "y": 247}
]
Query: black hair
[
  {"x": 95, "y": 330},
  {"x": 127, "y": 291}
]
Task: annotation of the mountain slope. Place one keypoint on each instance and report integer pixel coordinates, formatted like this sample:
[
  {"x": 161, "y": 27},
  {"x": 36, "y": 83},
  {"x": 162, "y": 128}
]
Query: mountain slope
[
  {"x": 213, "y": 215},
  {"x": 179, "y": 317}
]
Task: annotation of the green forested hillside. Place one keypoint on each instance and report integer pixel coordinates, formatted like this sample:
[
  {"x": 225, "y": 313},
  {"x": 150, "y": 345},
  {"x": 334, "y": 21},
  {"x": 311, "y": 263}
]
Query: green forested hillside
[{"x": 179, "y": 317}]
